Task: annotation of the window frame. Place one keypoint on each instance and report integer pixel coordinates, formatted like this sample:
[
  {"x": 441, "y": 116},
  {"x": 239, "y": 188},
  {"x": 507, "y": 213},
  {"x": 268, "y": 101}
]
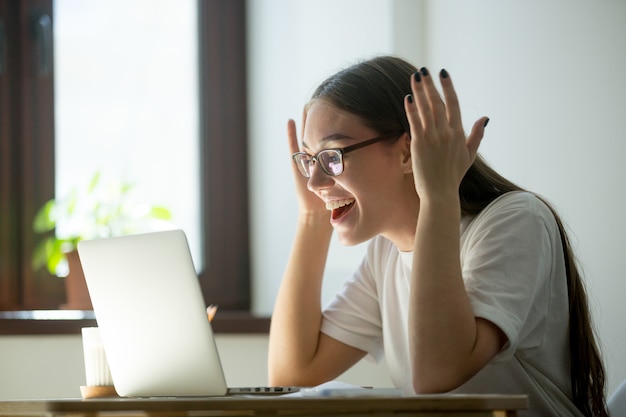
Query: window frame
[
  {"x": 27, "y": 163},
  {"x": 27, "y": 100},
  {"x": 225, "y": 279}
]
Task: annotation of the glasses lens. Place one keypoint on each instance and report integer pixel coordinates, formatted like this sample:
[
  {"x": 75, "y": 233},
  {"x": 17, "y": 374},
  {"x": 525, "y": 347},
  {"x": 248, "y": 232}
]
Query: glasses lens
[
  {"x": 331, "y": 161},
  {"x": 303, "y": 162}
]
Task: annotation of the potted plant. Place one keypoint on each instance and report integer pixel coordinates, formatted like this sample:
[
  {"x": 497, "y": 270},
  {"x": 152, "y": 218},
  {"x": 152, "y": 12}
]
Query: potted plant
[{"x": 102, "y": 209}]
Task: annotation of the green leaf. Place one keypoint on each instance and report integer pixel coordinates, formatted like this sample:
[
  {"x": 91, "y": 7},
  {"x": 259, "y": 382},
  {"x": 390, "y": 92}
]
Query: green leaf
[
  {"x": 72, "y": 202},
  {"x": 43, "y": 221},
  {"x": 55, "y": 254},
  {"x": 160, "y": 212},
  {"x": 126, "y": 187},
  {"x": 94, "y": 182}
]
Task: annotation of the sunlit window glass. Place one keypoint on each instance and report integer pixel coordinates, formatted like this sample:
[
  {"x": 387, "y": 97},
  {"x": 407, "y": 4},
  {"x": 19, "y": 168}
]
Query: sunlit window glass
[{"x": 126, "y": 103}]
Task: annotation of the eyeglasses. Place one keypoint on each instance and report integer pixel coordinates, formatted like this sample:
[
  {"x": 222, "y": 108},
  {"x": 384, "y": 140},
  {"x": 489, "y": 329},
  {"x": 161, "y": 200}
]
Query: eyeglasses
[{"x": 331, "y": 160}]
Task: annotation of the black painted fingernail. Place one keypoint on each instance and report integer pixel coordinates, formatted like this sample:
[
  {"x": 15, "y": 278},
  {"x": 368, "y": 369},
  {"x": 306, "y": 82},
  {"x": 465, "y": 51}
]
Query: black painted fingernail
[
  {"x": 486, "y": 122},
  {"x": 424, "y": 71},
  {"x": 417, "y": 77},
  {"x": 444, "y": 73},
  {"x": 410, "y": 98}
]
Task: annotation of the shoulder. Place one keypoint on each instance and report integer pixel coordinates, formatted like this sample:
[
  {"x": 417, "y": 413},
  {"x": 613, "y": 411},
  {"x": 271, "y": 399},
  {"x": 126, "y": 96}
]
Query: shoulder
[
  {"x": 523, "y": 200},
  {"x": 380, "y": 245},
  {"x": 518, "y": 213},
  {"x": 382, "y": 254},
  {"x": 517, "y": 204}
]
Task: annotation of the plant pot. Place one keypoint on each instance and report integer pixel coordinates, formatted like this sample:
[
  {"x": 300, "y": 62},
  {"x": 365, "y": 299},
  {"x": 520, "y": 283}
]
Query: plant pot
[{"x": 77, "y": 295}]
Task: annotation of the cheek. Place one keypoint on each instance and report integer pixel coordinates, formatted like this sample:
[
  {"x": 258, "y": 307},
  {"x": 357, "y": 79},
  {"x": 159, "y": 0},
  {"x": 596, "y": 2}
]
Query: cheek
[
  {"x": 383, "y": 175},
  {"x": 379, "y": 190},
  {"x": 389, "y": 193},
  {"x": 379, "y": 176}
]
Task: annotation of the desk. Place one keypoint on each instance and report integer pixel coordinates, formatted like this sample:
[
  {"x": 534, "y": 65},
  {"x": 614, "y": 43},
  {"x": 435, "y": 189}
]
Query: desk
[{"x": 427, "y": 405}]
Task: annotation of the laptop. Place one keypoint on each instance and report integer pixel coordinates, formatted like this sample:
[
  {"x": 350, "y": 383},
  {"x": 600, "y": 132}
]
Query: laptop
[{"x": 152, "y": 317}]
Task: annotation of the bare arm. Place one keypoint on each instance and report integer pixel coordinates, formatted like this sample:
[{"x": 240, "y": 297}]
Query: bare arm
[
  {"x": 299, "y": 354},
  {"x": 448, "y": 343}
]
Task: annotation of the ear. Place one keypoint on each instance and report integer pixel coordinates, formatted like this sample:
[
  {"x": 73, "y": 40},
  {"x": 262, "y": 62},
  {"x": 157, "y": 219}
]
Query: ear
[{"x": 407, "y": 164}]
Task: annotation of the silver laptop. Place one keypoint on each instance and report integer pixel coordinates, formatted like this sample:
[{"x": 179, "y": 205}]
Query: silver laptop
[{"x": 152, "y": 317}]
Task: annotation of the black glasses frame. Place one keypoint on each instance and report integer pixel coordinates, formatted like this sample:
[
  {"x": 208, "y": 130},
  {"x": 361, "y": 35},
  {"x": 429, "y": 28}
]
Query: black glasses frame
[{"x": 305, "y": 170}]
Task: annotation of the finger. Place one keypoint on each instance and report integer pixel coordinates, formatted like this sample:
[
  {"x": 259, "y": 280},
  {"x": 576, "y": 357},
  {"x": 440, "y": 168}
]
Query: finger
[
  {"x": 476, "y": 136},
  {"x": 412, "y": 116},
  {"x": 292, "y": 137},
  {"x": 421, "y": 102},
  {"x": 211, "y": 311},
  {"x": 294, "y": 146},
  {"x": 437, "y": 105},
  {"x": 453, "y": 110}
]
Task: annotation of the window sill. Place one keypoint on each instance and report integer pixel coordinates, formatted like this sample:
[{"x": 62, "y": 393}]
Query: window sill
[{"x": 66, "y": 322}]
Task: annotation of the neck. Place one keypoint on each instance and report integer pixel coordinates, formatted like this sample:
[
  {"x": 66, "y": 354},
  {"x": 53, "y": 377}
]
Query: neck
[{"x": 402, "y": 233}]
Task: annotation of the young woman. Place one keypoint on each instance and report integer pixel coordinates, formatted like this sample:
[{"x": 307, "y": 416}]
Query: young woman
[{"x": 469, "y": 283}]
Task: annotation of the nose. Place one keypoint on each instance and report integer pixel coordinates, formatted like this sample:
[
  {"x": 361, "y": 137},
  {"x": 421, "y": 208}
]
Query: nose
[{"x": 319, "y": 180}]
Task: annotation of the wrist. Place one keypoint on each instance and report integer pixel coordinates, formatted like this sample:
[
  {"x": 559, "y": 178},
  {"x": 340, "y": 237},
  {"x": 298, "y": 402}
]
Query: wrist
[{"x": 442, "y": 203}]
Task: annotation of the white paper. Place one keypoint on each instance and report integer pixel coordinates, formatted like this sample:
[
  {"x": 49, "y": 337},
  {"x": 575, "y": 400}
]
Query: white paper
[{"x": 342, "y": 389}]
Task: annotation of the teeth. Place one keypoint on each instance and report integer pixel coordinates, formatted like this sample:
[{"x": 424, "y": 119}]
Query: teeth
[{"x": 331, "y": 205}]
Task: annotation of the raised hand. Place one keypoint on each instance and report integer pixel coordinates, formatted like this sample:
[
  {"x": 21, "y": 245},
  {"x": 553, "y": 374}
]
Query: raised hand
[
  {"x": 308, "y": 202},
  {"x": 441, "y": 153}
]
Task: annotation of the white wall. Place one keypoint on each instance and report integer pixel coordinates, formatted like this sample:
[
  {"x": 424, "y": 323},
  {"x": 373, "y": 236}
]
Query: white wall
[
  {"x": 53, "y": 367},
  {"x": 548, "y": 74}
]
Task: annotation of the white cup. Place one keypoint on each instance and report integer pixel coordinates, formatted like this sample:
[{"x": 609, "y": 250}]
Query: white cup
[{"x": 97, "y": 372}]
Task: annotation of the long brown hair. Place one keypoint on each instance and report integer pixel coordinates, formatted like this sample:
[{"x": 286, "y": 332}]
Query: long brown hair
[{"x": 374, "y": 91}]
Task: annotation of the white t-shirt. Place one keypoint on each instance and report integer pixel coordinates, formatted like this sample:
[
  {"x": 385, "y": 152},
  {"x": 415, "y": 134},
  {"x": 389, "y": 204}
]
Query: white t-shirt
[{"x": 514, "y": 274}]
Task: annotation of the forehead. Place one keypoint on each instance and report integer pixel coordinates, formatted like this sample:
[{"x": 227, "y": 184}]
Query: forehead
[{"x": 326, "y": 123}]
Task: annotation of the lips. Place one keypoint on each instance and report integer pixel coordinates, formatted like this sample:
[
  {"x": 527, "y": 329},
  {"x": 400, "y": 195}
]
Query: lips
[{"x": 339, "y": 208}]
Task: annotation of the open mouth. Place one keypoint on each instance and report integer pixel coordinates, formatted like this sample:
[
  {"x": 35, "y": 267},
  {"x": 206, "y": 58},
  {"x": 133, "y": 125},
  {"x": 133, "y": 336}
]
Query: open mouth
[{"x": 339, "y": 208}]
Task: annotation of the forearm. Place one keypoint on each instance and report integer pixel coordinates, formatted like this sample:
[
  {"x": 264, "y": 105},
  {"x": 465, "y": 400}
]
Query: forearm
[
  {"x": 442, "y": 324},
  {"x": 297, "y": 316}
]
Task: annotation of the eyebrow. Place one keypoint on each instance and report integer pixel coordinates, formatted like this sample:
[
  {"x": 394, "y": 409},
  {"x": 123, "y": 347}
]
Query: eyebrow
[{"x": 331, "y": 137}]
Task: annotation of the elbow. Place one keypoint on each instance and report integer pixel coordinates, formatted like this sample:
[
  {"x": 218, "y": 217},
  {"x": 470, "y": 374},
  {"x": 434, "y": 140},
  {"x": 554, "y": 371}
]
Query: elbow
[
  {"x": 281, "y": 379},
  {"x": 292, "y": 376},
  {"x": 280, "y": 375},
  {"x": 424, "y": 387},
  {"x": 438, "y": 382},
  {"x": 275, "y": 380}
]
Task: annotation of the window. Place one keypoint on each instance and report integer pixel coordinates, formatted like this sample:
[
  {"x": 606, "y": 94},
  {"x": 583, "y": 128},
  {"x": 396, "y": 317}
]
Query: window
[
  {"x": 126, "y": 108},
  {"x": 27, "y": 151}
]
